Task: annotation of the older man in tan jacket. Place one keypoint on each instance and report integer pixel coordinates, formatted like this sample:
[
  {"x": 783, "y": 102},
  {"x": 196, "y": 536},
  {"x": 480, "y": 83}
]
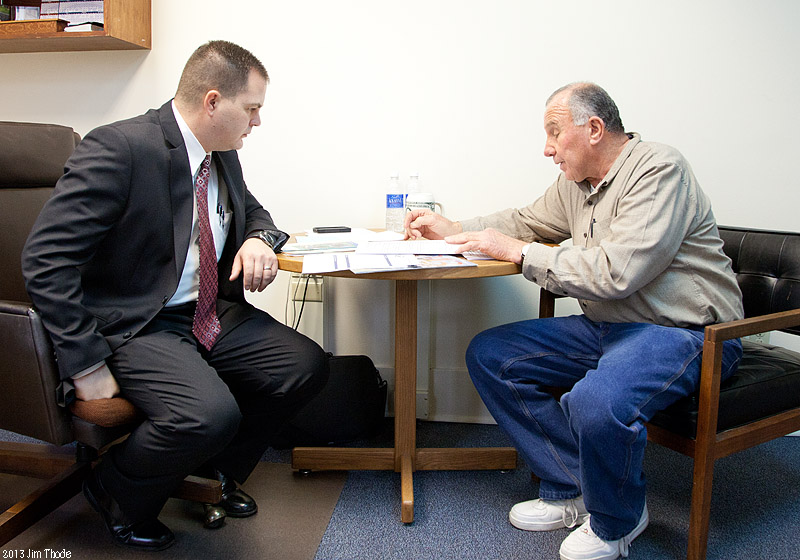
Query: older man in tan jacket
[{"x": 647, "y": 266}]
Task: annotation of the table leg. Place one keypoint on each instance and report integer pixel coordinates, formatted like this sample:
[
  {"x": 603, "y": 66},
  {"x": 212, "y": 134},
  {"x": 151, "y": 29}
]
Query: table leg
[
  {"x": 405, "y": 390},
  {"x": 406, "y": 491}
]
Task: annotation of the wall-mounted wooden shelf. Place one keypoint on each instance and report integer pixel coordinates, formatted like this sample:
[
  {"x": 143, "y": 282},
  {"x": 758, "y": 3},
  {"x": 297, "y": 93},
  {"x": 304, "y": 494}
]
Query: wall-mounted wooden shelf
[{"x": 126, "y": 27}]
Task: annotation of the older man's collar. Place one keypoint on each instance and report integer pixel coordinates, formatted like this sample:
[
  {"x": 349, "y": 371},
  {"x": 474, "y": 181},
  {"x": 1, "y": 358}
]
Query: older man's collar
[{"x": 635, "y": 138}]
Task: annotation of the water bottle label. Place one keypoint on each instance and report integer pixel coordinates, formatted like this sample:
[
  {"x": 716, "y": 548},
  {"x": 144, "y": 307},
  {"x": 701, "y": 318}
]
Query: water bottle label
[{"x": 395, "y": 201}]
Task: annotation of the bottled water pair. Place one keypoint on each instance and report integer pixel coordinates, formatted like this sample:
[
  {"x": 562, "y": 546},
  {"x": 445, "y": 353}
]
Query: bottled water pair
[{"x": 396, "y": 201}]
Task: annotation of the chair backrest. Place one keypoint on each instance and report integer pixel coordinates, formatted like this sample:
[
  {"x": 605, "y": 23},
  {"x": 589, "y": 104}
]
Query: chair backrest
[
  {"x": 767, "y": 267},
  {"x": 32, "y": 158}
]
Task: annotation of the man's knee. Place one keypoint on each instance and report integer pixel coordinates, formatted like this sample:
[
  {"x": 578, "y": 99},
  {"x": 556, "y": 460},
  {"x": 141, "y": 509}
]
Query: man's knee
[
  {"x": 211, "y": 421},
  {"x": 312, "y": 370},
  {"x": 481, "y": 355},
  {"x": 591, "y": 410},
  {"x": 302, "y": 373}
]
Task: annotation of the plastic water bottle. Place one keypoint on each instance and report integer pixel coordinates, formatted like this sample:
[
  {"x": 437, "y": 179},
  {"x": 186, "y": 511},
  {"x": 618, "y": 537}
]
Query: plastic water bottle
[
  {"x": 413, "y": 184},
  {"x": 395, "y": 205},
  {"x": 412, "y": 188}
]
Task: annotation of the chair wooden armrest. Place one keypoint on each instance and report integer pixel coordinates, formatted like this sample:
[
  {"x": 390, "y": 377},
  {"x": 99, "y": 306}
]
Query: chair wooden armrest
[
  {"x": 711, "y": 368},
  {"x": 753, "y": 325},
  {"x": 718, "y": 332}
]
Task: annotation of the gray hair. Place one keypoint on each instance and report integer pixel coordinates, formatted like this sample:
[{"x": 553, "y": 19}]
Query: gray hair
[{"x": 588, "y": 100}]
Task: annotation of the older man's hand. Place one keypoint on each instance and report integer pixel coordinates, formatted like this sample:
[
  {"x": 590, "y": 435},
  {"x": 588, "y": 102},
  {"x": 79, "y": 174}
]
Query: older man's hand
[
  {"x": 491, "y": 242},
  {"x": 429, "y": 225}
]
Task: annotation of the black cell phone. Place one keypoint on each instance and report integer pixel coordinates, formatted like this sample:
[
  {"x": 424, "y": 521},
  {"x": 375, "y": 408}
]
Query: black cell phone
[{"x": 331, "y": 229}]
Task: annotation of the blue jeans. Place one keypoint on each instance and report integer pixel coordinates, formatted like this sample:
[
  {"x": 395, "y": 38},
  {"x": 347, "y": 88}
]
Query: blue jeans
[{"x": 591, "y": 442}]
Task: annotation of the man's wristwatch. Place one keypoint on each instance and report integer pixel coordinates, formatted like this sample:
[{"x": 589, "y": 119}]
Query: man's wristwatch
[{"x": 267, "y": 238}]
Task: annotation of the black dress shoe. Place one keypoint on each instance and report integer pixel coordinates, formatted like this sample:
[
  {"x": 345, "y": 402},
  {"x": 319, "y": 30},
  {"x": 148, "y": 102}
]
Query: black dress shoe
[
  {"x": 149, "y": 534},
  {"x": 235, "y": 501}
]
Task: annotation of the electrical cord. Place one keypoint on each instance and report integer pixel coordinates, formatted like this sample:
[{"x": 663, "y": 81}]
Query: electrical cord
[
  {"x": 291, "y": 299},
  {"x": 302, "y": 304}
]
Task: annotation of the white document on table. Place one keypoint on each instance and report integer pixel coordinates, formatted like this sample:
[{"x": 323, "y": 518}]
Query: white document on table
[
  {"x": 410, "y": 247},
  {"x": 418, "y": 247},
  {"x": 333, "y": 262}
]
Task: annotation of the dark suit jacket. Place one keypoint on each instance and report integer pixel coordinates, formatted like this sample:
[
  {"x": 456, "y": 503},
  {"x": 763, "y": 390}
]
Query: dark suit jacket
[{"x": 108, "y": 249}]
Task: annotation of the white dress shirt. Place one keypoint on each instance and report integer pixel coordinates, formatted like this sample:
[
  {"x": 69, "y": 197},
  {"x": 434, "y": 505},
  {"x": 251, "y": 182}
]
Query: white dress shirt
[{"x": 219, "y": 213}]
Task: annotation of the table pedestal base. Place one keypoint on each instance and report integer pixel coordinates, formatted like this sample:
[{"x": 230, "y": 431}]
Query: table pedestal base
[{"x": 383, "y": 459}]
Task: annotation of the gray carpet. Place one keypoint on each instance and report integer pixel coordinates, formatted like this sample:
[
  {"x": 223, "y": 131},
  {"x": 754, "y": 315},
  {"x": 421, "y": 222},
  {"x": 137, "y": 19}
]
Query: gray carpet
[{"x": 463, "y": 515}]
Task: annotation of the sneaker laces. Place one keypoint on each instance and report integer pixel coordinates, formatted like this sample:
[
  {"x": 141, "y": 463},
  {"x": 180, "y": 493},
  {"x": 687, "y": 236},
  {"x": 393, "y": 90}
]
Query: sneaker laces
[
  {"x": 570, "y": 514},
  {"x": 624, "y": 546},
  {"x": 623, "y": 543}
]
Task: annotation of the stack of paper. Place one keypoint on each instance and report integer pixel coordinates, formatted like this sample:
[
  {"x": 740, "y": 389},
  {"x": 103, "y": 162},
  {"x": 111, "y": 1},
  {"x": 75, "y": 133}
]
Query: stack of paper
[
  {"x": 362, "y": 263},
  {"x": 410, "y": 247},
  {"x": 311, "y": 242},
  {"x": 374, "y": 252},
  {"x": 320, "y": 247},
  {"x": 418, "y": 247}
]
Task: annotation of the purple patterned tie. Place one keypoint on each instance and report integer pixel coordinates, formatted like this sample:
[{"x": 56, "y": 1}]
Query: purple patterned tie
[{"x": 206, "y": 324}]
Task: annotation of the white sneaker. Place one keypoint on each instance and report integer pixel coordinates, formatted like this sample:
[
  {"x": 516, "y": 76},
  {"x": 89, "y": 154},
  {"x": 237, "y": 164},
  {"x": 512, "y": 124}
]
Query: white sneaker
[
  {"x": 541, "y": 515},
  {"x": 583, "y": 544}
]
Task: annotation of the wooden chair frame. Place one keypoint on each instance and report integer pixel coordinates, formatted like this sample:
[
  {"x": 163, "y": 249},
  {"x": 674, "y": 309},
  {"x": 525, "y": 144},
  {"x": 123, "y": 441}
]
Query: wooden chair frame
[{"x": 63, "y": 470}]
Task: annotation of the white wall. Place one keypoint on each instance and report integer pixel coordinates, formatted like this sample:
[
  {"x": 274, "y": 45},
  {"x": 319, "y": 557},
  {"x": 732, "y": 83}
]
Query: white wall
[{"x": 454, "y": 89}]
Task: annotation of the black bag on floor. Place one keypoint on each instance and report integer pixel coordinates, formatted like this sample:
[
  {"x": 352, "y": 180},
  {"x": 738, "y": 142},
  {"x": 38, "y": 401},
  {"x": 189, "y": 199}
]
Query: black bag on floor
[{"x": 351, "y": 406}]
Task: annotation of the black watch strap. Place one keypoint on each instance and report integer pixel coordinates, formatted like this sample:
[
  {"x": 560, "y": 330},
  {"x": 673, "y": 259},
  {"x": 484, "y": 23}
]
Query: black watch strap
[
  {"x": 274, "y": 239},
  {"x": 267, "y": 238}
]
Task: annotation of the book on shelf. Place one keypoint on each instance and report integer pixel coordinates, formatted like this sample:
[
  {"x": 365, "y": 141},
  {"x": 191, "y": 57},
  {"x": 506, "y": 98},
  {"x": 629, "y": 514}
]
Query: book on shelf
[
  {"x": 81, "y": 11},
  {"x": 28, "y": 3},
  {"x": 82, "y": 17},
  {"x": 49, "y": 10},
  {"x": 20, "y": 13},
  {"x": 88, "y": 26},
  {"x": 80, "y": 5},
  {"x": 19, "y": 10}
]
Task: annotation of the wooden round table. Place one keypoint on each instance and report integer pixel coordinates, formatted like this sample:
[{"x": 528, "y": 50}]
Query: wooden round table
[{"x": 405, "y": 457}]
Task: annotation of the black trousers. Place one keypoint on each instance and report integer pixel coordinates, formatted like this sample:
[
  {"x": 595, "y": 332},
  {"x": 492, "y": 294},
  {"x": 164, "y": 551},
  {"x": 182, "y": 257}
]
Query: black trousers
[{"x": 205, "y": 409}]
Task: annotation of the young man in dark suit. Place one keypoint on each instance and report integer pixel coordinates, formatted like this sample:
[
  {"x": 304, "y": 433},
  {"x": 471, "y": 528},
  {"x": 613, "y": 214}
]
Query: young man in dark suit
[{"x": 138, "y": 265}]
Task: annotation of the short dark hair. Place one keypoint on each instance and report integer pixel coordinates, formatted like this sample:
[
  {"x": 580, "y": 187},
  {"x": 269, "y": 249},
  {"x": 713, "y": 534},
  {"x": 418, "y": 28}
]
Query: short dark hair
[
  {"x": 588, "y": 100},
  {"x": 219, "y": 65}
]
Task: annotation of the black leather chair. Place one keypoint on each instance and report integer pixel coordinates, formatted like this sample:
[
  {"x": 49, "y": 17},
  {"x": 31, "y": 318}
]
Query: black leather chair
[
  {"x": 761, "y": 401},
  {"x": 32, "y": 158}
]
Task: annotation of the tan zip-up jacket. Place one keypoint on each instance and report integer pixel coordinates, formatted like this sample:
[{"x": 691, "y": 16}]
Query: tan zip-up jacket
[{"x": 645, "y": 245}]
